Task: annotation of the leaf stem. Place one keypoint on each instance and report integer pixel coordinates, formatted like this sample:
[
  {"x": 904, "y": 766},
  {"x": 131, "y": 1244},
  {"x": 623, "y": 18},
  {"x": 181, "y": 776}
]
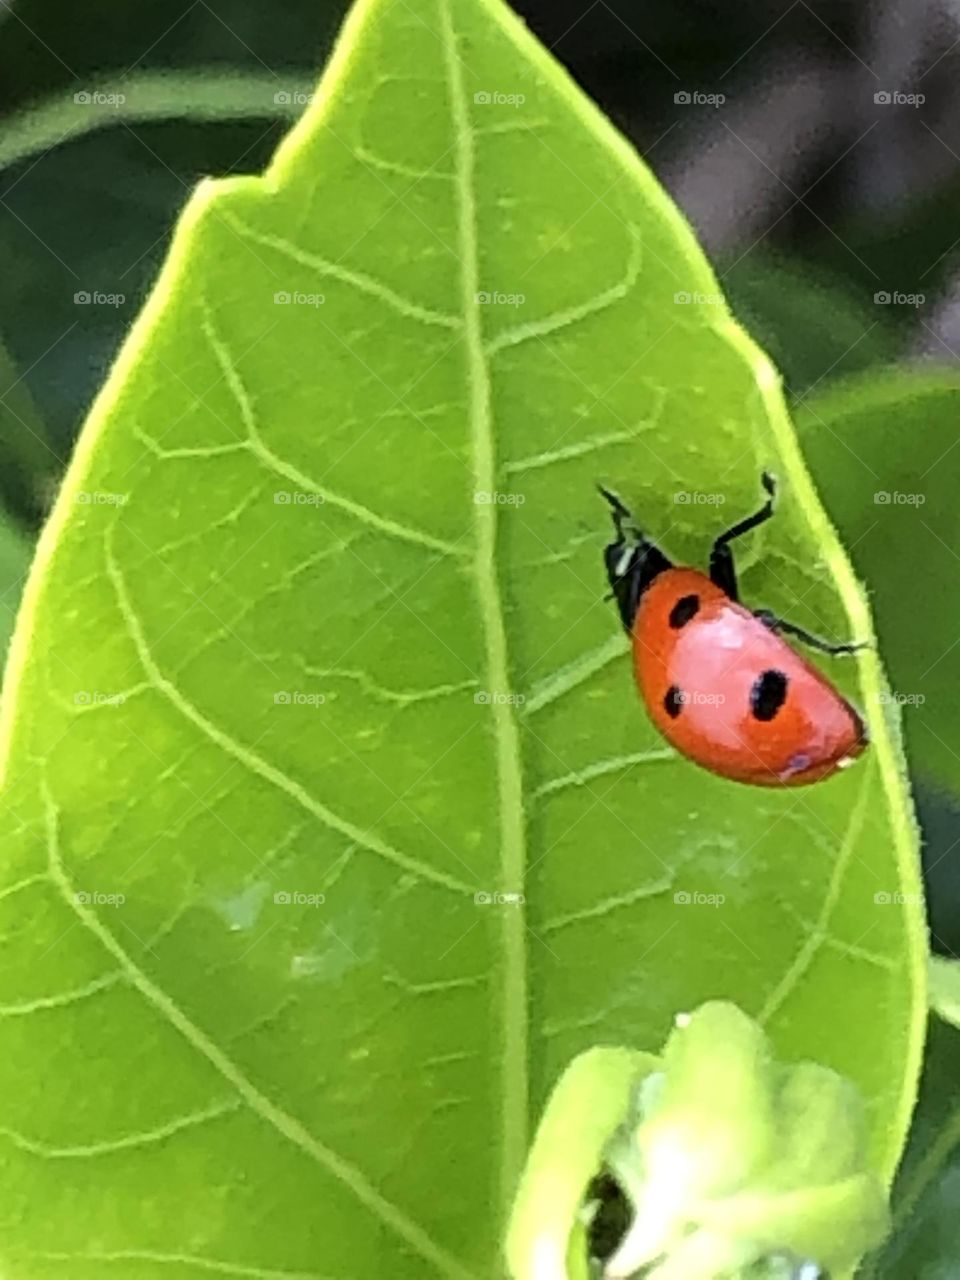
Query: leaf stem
[{"x": 204, "y": 94}]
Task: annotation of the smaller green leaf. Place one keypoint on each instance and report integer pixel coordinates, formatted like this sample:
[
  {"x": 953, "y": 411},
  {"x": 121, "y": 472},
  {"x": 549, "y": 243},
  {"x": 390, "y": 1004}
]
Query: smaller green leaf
[
  {"x": 588, "y": 1103},
  {"x": 15, "y": 551},
  {"x": 29, "y": 466},
  {"x": 723, "y": 1169},
  {"x": 925, "y": 1241},
  {"x": 945, "y": 989},
  {"x": 810, "y": 1102},
  {"x": 882, "y": 452},
  {"x": 717, "y": 1053},
  {"x": 729, "y": 1160},
  {"x": 810, "y": 325}
]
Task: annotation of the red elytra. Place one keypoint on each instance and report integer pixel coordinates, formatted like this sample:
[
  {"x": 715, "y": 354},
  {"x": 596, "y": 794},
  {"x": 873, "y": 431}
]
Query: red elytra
[{"x": 719, "y": 682}]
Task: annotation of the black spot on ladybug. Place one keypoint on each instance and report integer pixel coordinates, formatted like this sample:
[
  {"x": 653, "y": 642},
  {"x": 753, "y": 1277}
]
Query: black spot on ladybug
[
  {"x": 673, "y": 702},
  {"x": 768, "y": 694},
  {"x": 687, "y": 607}
]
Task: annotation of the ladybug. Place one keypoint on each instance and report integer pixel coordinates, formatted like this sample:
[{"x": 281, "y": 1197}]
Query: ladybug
[{"x": 718, "y": 680}]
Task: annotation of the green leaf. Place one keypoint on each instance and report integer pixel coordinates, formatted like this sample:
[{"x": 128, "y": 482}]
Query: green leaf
[
  {"x": 15, "y": 552},
  {"x": 926, "y": 1236},
  {"x": 945, "y": 989},
  {"x": 587, "y": 1104},
  {"x": 29, "y": 466},
  {"x": 731, "y": 1157},
  {"x": 284, "y": 724},
  {"x": 881, "y": 450},
  {"x": 214, "y": 93},
  {"x": 812, "y": 325},
  {"x": 727, "y": 1158}
]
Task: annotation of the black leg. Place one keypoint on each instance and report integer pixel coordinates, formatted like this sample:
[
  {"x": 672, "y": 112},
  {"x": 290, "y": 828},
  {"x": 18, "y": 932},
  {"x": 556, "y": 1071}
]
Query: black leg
[
  {"x": 722, "y": 570},
  {"x": 632, "y": 561},
  {"x": 771, "y": 620}
]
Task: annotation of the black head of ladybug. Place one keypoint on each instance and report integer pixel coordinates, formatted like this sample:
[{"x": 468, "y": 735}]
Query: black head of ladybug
[{"x": 632, "y": 561}]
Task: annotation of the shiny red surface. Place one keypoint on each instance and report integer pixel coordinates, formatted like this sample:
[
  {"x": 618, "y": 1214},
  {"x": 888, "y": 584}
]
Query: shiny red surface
[{"x": 715, "y": 661}]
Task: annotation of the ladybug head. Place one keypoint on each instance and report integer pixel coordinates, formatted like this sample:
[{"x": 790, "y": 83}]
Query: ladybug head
[{"x": 632, "y": 561}]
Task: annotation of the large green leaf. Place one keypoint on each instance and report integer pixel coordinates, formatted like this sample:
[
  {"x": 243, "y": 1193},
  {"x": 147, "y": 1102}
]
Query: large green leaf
[{"x": 306, "y": 654}]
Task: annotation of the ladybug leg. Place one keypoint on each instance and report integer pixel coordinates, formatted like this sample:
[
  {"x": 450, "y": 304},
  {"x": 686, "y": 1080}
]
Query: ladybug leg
[
  {"x": 632, "y": 561},
  {"x": 770, "y": 619},
  {"x": 722, "y": 571}
]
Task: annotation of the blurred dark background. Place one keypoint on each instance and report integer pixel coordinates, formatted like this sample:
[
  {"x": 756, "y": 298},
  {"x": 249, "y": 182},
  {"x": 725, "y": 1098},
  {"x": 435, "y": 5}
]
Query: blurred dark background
[{"x": 814, "y": 146}]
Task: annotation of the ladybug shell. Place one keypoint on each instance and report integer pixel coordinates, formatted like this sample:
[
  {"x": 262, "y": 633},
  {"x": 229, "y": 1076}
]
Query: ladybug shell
[{"x": 731, "y": 694}]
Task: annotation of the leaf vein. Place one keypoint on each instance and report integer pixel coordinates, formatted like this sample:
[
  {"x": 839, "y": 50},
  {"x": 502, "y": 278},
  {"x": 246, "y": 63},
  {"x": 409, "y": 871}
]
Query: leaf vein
[
  {"x": 818, "y": 935},
  {"x": 580, "y": 777},
  {"x": 357, "y": 279},
  {"x": 567, "y": 678},
  {"x": 593, "y": 444},
  {"x": 255, "y": 763},
  {"x": 131, "y": 1140},
  {"x": 568, "y": 316},
  {"x": 259, "y": 1103},
  {"x": 279, "y": 466},
  {"x": 514, "y": 1065}
]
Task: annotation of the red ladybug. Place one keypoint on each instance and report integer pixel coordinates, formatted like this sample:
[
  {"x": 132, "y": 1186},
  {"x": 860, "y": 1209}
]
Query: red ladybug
[{"x": 718, "y": 681}]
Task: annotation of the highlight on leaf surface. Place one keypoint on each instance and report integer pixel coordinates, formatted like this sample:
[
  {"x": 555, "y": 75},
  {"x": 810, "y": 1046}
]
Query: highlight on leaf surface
[{"x": 734, "y": 1164}]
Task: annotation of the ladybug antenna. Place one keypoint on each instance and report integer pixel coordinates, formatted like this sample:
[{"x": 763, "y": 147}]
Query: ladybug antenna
[{"x": 619, "y": 512}]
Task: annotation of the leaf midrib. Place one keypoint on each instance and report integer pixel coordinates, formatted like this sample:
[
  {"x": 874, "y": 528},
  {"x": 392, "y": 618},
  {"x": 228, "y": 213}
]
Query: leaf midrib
[{"x": 512, "y": 1000}]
